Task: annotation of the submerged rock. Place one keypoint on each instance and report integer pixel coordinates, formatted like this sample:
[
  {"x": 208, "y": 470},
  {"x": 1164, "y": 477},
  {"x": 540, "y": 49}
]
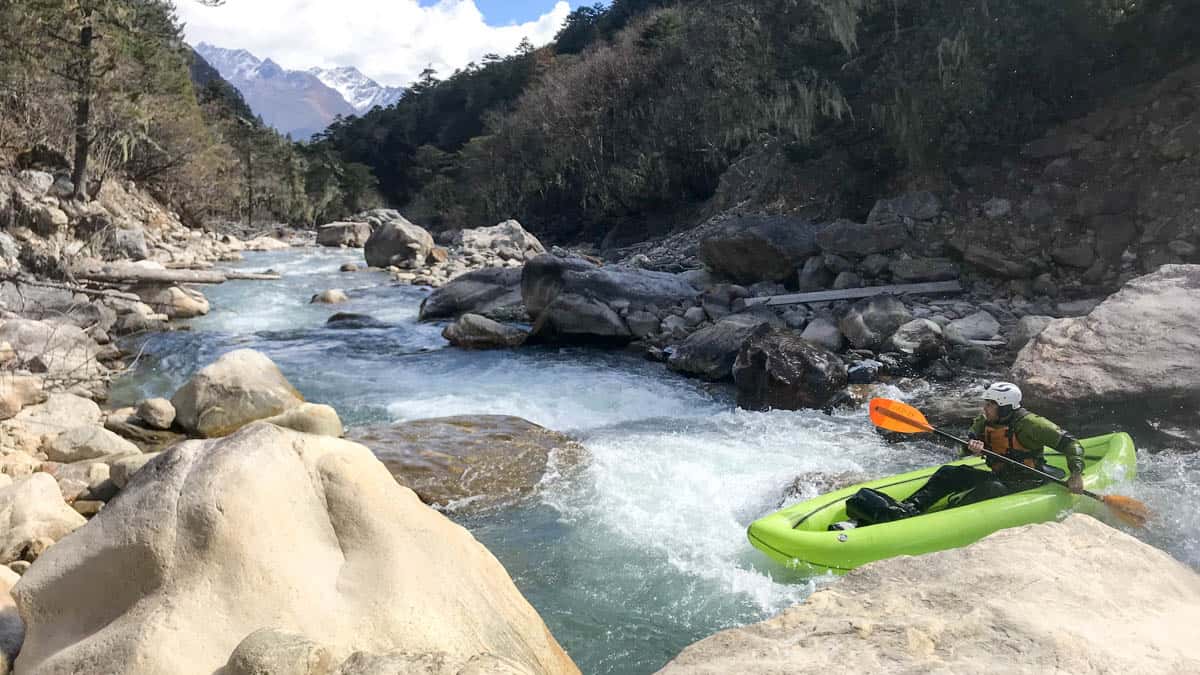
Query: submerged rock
[
  {"x": 484, "y": 459},
  {"x": 1060, "y": 591},
  {"x": 270, "y": 528},
  {"x": 779, "y": 370}
]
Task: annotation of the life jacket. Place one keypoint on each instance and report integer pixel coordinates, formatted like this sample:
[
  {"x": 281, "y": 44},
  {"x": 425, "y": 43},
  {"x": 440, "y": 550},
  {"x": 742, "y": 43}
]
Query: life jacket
[{"x": 1002, "y": 440}]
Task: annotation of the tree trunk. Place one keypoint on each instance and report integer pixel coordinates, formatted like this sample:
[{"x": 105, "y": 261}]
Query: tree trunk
[{"x": 83, "y": 111}]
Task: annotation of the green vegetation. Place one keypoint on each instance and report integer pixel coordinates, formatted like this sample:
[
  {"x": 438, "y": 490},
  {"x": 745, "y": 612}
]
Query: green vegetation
[
  {"x": 110, "y": 84},
  {"x": 642, "y": 107}
]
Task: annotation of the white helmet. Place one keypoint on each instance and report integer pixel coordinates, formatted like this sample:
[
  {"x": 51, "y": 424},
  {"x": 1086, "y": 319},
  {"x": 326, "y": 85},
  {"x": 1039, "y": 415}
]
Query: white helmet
[{"x": 1003, "y": 393}]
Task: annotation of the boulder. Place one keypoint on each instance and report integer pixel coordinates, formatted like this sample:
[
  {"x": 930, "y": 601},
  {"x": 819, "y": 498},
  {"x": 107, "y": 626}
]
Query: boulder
[
  {"x": 950, "y": 612},
  {"x": 907, "y": 207},
  {"x": 310, "y": 418},
  {"x": 351, "y": 320},
  {"x": 507, "y": 241},
  {"x": 38, "y": 424},
  {"x": 472, "y": 331},
  {"x": 126, "y": 244},
  {"x": 270, "y": 650},
  {"x": 177, "y": 302},
  {"x": 236, "y": 389},
  {"x": 482, "y": 460},
  {"x": 87, "y": 442},
  {"x": 200, "y": 552},
  {"x": 33, "y": 516},
  {"x": 12, "y": 630},
  {"x": 825, "y": 333},
  {"x": 398, "y": 242},
  {"x": 759, "y": 248},
  {"x": 1028, "y": 327},
  {"x": 777, "y": 369},
  {"x": 875, "y": 264},
  {"x": 156, "y": 413},
  {"x": 265, "y": 244},
  {"x": 121, "y": 470},
  {"x": 844, "y": 237},
  {"x": 125, "y": 423},
  {"x": 977, "y": 326},
  {"x": 571, "y": 299},
  {"x": 710, "y": 352},
  {"x": 1078, "y": 255},
  {"x": 917, "y": 335},
  {"x": 998, "y": 262},
  {"x": 643, "y": 324},
  {"x": 871, "y": 321},
  {"x": 1137, "y": 347},
  {"x": 352, "y": 235},
  {"x": 814, "y": 276},
  {"x": 916, "y": 270},
  {"x": 494, "y": 292},
  {"x": 332, "y": 296},
  {"x": 65, "y": 355},
  {"x": 18, "y": 391}
]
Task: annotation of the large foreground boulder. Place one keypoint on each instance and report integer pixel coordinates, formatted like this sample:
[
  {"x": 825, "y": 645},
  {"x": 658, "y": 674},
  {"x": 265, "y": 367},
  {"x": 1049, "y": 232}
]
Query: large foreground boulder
[
  {"x": 485, "y": 460},
  {"x": 353, "y": 235},
  {"x": 271, "y": 529},
  {"x": 572, "y": 299},
  {"x": 1070, "y": 597},
  {"x": 398, "y": 242},
  {"x": 777, "y": 369},
  {"x": 494, "y": 292},
  {"x": 236, "y": 389},
  {"x": 1138, "y": 346},
  {"x": 759, "y": 248}
]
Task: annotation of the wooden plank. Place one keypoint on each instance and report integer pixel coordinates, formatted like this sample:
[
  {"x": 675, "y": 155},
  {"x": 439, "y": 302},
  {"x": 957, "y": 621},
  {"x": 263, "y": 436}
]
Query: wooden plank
[
  {"x": 141, "y": 275},
  {"x": 855, "y": 293}
]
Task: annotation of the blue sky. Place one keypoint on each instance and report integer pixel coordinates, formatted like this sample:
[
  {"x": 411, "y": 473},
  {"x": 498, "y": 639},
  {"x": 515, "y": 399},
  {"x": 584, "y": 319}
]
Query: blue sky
[
  {"x": 391, "y": 41},
  {"x": 499, "y": 12}
]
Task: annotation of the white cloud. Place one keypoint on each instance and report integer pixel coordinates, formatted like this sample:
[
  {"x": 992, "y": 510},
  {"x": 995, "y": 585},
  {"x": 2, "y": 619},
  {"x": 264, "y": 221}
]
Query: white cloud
[{"x": 391, "y": 41}]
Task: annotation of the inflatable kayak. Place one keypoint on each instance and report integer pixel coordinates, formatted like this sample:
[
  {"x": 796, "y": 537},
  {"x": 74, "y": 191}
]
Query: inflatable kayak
[{"x": 799, "y": 535}]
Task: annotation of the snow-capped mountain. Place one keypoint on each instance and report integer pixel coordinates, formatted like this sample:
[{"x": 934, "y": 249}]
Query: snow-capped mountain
[
  {"x": 293, "y": 101},
  {"x": 360, "y": 91}
]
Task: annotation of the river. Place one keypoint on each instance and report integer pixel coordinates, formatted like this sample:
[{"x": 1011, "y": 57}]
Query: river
[{"x": 643, "y": 550}]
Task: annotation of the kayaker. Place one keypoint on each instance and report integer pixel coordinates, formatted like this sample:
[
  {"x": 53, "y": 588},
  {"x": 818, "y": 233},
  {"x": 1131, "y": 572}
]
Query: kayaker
[{"x": 1004, "y": 428}]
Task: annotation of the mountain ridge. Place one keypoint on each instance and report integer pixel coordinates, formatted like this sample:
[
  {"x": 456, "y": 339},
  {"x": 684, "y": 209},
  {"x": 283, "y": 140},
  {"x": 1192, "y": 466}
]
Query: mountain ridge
[{"x": 296, "y": 102}]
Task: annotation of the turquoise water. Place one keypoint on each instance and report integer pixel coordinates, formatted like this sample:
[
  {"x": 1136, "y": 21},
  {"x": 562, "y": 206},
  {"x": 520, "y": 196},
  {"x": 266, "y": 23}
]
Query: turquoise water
[{"x": 642, "y": 550}]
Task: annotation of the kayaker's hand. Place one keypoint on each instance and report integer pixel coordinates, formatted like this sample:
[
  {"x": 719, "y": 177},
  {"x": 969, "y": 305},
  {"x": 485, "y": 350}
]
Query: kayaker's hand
[
  {"x": 1075, "y": 483},
  {"x": 976, "y": 447}
]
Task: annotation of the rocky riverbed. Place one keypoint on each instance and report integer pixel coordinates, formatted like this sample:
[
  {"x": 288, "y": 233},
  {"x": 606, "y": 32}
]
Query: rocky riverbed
[{"x": 609, "y": 454}]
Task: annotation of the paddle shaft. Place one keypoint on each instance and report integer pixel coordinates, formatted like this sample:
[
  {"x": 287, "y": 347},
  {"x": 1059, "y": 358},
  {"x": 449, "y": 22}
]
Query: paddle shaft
[
  {"x": 1014, "y": 462},
  {"x": 989, "y": 453}
]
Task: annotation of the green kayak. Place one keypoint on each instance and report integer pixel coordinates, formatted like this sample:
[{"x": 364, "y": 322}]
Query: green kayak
[{"x": 799, "y": 535}]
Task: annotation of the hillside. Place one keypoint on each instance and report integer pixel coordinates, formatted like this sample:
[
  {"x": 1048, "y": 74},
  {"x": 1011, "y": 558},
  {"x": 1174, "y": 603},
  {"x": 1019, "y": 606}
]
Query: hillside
[{"x": 648, "y": 116}]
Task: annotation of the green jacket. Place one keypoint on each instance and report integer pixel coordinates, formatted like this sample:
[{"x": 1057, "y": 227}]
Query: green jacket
[{"x": 1035, "y": 431}]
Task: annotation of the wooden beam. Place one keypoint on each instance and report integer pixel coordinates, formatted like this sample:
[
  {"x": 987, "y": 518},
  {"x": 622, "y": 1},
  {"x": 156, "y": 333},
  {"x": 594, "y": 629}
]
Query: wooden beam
[
  {"x": 141, "y": 275},
  {"x": 854, "y": 293}
]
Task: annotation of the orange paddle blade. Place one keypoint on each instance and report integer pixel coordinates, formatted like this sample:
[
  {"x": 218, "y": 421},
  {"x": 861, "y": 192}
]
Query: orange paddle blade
[
  {"x": 1129, "y": 510},
  {"x": 897, "y": 416}
]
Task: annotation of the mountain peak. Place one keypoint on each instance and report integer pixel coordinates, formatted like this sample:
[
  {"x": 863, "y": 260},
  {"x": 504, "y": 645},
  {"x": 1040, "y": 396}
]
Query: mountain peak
[{"x": 360, "y": 91}]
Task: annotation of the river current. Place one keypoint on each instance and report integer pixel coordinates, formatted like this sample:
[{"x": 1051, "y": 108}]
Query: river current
[{"x": 641, "y": 551}]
